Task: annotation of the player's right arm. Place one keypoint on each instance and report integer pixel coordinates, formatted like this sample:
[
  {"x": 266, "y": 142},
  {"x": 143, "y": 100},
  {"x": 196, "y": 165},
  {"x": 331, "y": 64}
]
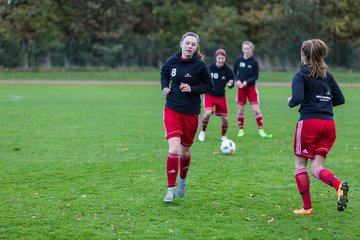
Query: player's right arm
[
  {"x": 297, "y": 89},
  {"x": 165, "y": 79},
  {"x": 337, "y": 97}
]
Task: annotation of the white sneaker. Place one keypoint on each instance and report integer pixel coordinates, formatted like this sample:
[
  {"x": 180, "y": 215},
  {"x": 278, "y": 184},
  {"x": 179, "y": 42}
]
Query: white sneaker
[
  {"x": 223, "y": 138},
  {"x": 181, "y": 188},
  {"x": 202, "y": 136},
  {"x": 169, "y": 196}
]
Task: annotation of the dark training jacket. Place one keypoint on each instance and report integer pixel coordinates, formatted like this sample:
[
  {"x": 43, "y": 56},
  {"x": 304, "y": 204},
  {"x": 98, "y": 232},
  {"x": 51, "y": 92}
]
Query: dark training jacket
[
  {"x": 246, "y": 70},
  {"x": 220, "y": 77},
  {"x": 194, "y": 72},
  {"x": 316, "y": 96}
]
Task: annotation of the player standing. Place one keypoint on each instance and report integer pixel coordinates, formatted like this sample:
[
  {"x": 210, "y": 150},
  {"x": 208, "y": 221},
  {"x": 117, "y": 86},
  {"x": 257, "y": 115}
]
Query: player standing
[
  {"x": 184, "y": 76},
  {"x": 246, "y": 72},
  {"x": 316, "y": 90},
  {"x": 221, "y": 75}
]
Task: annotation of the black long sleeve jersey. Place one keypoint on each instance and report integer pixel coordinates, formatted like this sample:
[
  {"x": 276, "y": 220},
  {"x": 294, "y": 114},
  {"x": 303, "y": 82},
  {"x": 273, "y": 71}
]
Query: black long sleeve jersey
[
  {"x": 246, "y": 70},
  {"x": 317, "y": 96},
  {"x": 221, "y": 76},
  {"x": 194, "y": 72}
]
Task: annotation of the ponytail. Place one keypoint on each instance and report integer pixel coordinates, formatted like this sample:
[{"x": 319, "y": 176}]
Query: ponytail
[{"x": 315, "y": 51}]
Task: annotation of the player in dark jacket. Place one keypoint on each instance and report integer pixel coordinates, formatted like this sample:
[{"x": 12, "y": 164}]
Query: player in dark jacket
[
  {"x": 222, "y": 76},
  {"x": 184, "y": 77},
  {"x": 316, "y": 90},
  {"x": 246, "y": 72}
]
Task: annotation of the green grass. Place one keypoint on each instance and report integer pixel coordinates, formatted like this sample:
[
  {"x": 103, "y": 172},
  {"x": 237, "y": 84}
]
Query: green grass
[
  {"x": 88, "y": 162},
  {"x": 148, "y": 75}
]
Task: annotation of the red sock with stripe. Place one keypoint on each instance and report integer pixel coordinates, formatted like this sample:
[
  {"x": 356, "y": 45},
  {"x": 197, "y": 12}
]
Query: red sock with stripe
[
  {"x": 224, "y": 128},
  {"x": 241, "y": 121},
  {"x": 184, "y": 165},
  {"x": 259, "y": 121},
  {"x": 172, "y": 167},
  {"x": 205, "y": 122},
  {"x": 329, "y": 178},
  {"x": 303, "y": 184}
]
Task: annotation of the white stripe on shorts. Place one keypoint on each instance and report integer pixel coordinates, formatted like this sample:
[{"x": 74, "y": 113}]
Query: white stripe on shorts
[{"x": 298, "y": 137}]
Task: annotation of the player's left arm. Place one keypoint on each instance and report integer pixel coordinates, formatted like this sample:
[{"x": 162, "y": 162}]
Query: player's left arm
[
  {"x": 337, "y": 95},
  {"x": 230, "y": 77},
  {"x": 206, "y": 84},
  {"x": 252, "y": 80}
]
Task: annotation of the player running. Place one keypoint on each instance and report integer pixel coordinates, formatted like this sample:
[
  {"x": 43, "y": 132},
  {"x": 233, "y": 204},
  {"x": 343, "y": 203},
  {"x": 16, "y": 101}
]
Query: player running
[
  {"x": 316, "y": 90},
  {"x": 246, "y": 72},
  {"x": 184, "y": 77},
  {"x": 222, "y": 76}
]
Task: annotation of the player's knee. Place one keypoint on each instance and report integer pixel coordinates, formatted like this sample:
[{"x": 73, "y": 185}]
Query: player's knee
[
  {"x": 185, "y": 152},
  {"x": 315, "y": 170},
  {"x": 175, "y": 150},
  {"x": 207, "y": 114},
  {"x": 257, "y": 112}
]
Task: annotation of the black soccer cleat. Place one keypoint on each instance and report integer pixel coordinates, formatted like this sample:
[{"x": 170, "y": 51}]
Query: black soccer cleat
[{"x": 342, "y": 192}]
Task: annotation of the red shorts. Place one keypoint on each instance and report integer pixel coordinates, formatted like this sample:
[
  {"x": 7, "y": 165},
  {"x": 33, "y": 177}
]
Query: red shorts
[
  {"x": 219, "y": 103},
  {"x": 249, "y": 92},
  {"x": 183, "y": 126},
  {"x": 314, "y": 137}
]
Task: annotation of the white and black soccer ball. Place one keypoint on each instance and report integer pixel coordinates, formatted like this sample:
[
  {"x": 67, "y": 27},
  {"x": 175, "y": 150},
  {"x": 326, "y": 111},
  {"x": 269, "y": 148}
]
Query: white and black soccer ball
[{"x": 227, "y": 147}]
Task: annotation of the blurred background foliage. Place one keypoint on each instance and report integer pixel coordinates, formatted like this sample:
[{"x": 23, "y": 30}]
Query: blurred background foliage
[{"x": 122, "y": 33}]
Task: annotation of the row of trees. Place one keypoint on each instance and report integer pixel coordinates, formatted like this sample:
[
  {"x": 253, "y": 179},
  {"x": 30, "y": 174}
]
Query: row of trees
[{"x": 272, "y": 23}]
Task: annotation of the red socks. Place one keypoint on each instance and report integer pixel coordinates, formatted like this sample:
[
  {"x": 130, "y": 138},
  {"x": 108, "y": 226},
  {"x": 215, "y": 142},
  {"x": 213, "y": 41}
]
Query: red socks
[
  {"x": 172, "y": 167},
  {"x": 224, "y": 128},
  {"x": 329, "y": 178},
  {"x": 303, "y": 183},
  {"x": 259, "y": 121},
  {"x": 241, "y": 120},
  {"x": 184, "y": 165},
  {"x": 205, "y": 122}
]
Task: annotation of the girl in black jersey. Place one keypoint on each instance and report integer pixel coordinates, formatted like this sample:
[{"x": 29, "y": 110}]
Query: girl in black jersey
[
  {"x": 316, "y": 90},
  {"x": 246, "y": 73},
  {"x": 215, "y": 100},
  {"x": 184, "y": 77}
]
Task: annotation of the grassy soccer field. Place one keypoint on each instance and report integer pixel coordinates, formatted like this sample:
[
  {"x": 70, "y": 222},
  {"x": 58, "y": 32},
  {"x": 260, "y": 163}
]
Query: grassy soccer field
[{"x": 88, "y": 162}]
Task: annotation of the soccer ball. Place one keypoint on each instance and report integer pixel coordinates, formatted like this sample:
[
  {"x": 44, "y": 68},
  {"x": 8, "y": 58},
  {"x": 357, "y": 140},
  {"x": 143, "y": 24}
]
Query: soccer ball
[{"x": 227, "y": 147}]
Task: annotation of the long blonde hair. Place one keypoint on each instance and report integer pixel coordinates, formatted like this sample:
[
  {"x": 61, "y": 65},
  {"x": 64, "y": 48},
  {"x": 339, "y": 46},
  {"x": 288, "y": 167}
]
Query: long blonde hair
[
  {"x": 197, "y": 52},
  {"x": 315, "y": 51}
]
